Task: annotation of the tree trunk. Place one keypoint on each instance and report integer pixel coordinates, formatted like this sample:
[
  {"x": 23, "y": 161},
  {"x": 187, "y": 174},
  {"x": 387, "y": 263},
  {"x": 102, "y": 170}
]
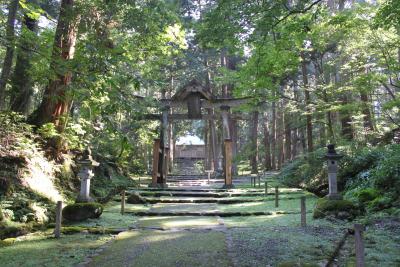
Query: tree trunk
[
  {"x": 274, "y": 136},
  {"x": 56, "y": 101},
  {"x": 7, "y": 63},
  {"x": 267, "y": 146},
  {"x": 368, "y": 124},
  {"x": 22, "y": 83},
  {"x": 310, "y": 146},
  {"x": 280, "y": 131},
  {"x": 253, "y": 142},
  {"x": 295, "y": 139},
  {"x": 288, "y": 137}
]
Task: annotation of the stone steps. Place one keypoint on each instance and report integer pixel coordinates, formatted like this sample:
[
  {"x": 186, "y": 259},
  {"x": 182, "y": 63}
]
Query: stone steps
[{"x": 206, "y": 194}]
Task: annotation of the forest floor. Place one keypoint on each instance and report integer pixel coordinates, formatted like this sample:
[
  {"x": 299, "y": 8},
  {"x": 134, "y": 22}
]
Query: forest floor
[{"x": 180, "y": 234}]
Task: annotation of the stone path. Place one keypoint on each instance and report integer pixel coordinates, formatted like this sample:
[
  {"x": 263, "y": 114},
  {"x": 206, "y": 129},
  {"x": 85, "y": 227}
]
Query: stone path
[{"x": 211, "y": 233}]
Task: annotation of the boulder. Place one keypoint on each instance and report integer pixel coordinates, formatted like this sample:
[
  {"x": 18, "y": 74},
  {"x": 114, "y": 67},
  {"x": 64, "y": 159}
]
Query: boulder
[
  {"x": 135, "y": 198},
  {"x": 82, "y": 211},
  {"x": 340, "y": 209}
]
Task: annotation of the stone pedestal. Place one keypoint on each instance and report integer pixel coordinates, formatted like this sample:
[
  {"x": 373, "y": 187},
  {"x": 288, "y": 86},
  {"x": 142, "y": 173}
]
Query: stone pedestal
[
  {"x": 85, "y": 175},
  {"x": 332, "y": 161}
]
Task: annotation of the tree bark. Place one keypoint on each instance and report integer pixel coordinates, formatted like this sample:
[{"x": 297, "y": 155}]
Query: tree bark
[
  {"x": 288, "y": 137},
  {"x": 253, "y": 142},
  {"x": 22, "y": 83},
  {"x": 310, "y": 146},
  {"x": 280, "y": 131},
  {"x": 368, "y": 124},
  {"x": 56, "y": 101},
  {"x": 7, "y": 63},
  {"x": 274, "y": 136},
  {"x": 267, "y": 146}
]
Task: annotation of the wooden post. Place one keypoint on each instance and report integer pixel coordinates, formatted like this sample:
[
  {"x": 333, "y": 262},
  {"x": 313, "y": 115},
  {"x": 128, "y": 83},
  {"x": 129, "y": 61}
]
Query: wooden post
[
  {"x": 266, "y": 189},
  {"x": 259, "y": 181},
  {"x": 57, "y": 229},
  {"x": 156, "y": 159},
  {"x": 303, "y": 211},
  {"x": 228, "y": 162},
  {"x": 123, "y": 202},
  {"x": 165, "y": 165},
  {"x": 360, "y": 256},
  {"x": 276, "y": 196}
]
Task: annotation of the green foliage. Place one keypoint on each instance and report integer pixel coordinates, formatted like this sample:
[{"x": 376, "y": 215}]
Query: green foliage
[
  {"x": 48, "y": 131},
  {"x": 305, "y": 171},
  {"x": 15, "y": 133},
  {"x": 369, "y": 176},
  {"x": 367, "y": 195},
  {"x": 386, "y": 175}
]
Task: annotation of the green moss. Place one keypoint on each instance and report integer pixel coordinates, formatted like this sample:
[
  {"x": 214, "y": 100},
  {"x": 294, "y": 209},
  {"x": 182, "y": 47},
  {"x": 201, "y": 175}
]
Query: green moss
[
  {"x": 342, "y": 209},
  {"x": 297, "y": 264},
  {"x": 41, "y": 249},
  {"x": 82, "y": 211},
  {"x": 69, "y": 230},
  {"x": 181, "y": 248},
  {"x": 7, "y": 242}
]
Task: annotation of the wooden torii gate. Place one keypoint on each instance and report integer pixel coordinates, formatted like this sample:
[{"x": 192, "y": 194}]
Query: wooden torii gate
[{"x": 194, "y": 96}]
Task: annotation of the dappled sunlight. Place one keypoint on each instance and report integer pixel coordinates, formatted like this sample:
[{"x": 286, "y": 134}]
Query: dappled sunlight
[
  {"x": 177, "y": 222},
  {"x": 40, "y": 177},
  {"x": 188, "y": 222}
]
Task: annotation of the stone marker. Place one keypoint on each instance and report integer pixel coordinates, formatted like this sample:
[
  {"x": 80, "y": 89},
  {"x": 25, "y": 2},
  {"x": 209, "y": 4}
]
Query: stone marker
[
  {"x": 57, "y": 229},
  {"x": 359, "y": 245},
  {"x": 86, "y": 164},
  {"x": 123, "y": 202},
  {"x": 276, "y": 197},
  {"x": 332, "y": 160},
  {"x": 303, "y": 211}
]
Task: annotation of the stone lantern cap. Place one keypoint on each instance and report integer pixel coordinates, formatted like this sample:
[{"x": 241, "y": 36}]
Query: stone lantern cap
[
  {"x": 332, "y": 155},
  {"x": 87, "y": 159}
]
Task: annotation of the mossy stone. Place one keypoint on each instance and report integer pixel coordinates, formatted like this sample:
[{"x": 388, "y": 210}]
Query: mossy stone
[
  {"x": 82, "y": 211},
  {"x": 135, "y": 198},
  {"x": 13, "y": 231},
  {"x": 341, "y": 209}
]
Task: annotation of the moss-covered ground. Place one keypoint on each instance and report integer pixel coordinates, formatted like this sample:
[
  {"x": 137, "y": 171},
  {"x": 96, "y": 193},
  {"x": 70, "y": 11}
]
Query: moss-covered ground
[
  {"x": 41, "y": 249},
  {"x": 157, "y": 248},
  {"x": 207, "y": 240}
]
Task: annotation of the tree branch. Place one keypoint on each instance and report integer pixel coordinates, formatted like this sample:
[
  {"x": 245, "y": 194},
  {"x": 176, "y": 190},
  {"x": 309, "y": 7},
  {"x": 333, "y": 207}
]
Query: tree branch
[{"x": 298, "y": 11}]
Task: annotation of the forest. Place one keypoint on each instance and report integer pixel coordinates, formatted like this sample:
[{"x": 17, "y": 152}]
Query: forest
[{"x": 86, "y": 82}]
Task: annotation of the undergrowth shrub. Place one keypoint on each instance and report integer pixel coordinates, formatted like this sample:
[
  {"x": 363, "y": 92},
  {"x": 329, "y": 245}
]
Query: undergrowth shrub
[{"x": 369, "y": 176}]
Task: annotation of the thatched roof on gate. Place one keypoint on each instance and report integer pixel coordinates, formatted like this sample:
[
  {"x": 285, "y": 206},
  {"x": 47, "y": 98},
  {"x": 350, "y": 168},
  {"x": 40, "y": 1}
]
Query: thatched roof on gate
[{"x": 193, "y": 87}]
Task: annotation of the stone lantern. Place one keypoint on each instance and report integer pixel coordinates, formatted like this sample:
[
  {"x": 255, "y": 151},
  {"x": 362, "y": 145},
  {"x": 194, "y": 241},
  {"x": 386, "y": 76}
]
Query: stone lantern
[
  {"x": 86, "y": 164},
  {"x": 332, "y": 160}
]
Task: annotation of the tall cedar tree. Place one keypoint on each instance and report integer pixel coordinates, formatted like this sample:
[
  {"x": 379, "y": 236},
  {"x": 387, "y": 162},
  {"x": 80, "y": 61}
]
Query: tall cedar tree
[{"x": 56, "y": 101}]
